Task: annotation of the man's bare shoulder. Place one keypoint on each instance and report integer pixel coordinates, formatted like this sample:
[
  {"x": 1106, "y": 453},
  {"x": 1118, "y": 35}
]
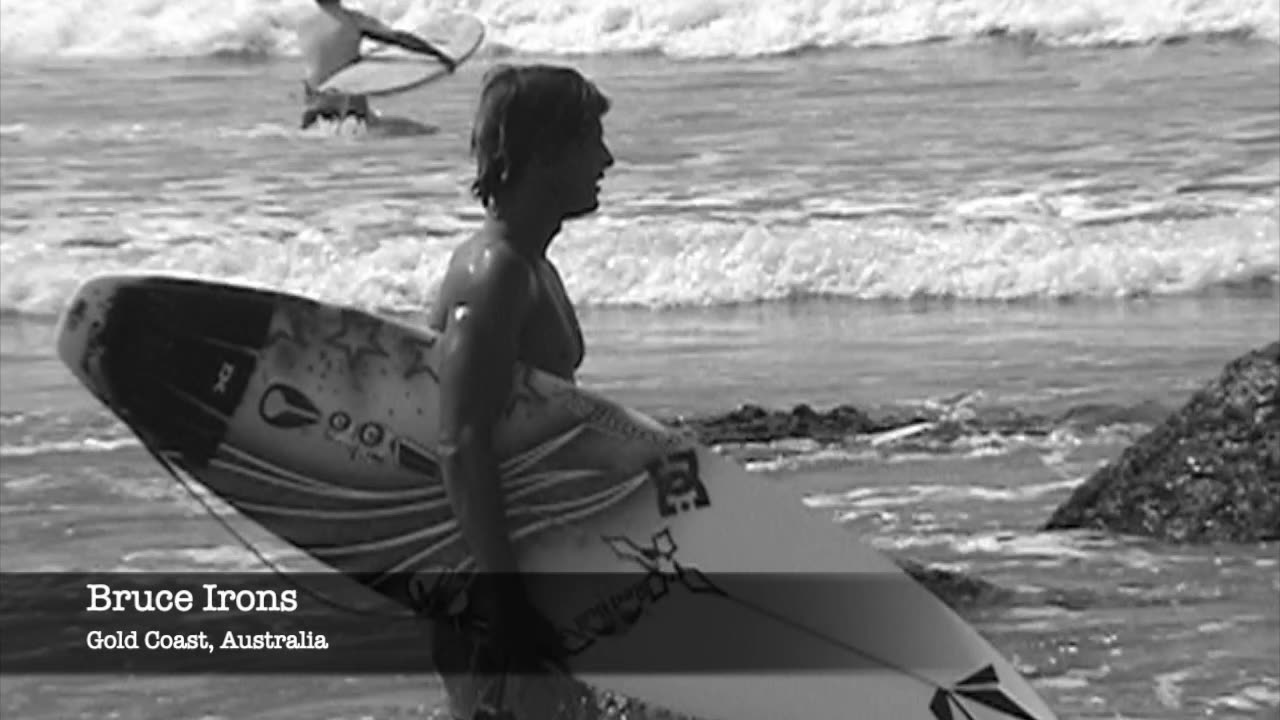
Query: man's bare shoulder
[{"x": 485, "y": 271}]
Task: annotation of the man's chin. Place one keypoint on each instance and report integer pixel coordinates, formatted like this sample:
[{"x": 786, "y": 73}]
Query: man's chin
[{"x": 583, "y": 212}]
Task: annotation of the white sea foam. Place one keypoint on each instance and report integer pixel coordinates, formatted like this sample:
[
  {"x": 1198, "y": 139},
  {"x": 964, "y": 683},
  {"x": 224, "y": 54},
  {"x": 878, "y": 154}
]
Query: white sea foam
[
  {"x": 84, "y": 445},
  {"x": 652, "y": 262},
  {"x": 221, "y": 558},
  {"x": 865, "y": 499},
  {"x": 680, "y": 28}
]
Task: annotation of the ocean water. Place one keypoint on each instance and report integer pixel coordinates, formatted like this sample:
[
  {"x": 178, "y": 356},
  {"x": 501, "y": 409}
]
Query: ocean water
[{"x": 1055, "y": 220}]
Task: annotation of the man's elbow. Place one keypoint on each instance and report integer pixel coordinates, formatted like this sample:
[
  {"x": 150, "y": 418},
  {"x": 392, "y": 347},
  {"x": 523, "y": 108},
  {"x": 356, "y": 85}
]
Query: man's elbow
[
  {"x": 382, "y": 35},
  {"x": 463, "y": 442},
  {"x": 407, "y": 40}
]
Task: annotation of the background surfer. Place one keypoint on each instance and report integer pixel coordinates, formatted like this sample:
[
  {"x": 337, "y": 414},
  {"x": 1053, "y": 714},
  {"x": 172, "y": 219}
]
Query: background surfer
[
  {"x": 330, "y": 41},
  {"x": 540, "y": 155}
]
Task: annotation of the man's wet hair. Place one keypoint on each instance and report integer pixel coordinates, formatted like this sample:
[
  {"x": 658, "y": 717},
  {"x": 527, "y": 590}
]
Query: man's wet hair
[{"x": 527, "y": 109}]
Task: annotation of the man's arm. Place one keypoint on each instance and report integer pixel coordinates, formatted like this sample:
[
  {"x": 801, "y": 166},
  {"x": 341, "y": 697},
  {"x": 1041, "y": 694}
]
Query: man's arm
[
  {"x": 479, "y": 350},
  {"x": 375, "y": 29}
]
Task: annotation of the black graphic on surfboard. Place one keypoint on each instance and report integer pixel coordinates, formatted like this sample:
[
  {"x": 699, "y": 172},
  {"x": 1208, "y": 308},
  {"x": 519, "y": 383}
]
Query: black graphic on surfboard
[
  {"x": 218, "y": 379},
  {"x": 419, "y": 359},
  {"x": 415, "y": 458},
  {"x": 622, "y": 609},
  {"x": 357, "y": 338},
  {"x": 678, "y": 483},
  {"x": 983, "y": 688},
  {"x": 75, "y": 315},
  {"x": 442, "y": 594},
  {"x": 287, "y": 407}
]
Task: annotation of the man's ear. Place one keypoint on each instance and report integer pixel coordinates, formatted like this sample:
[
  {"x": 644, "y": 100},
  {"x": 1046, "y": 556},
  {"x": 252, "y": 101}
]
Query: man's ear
[{"x": 540, "y": 158}]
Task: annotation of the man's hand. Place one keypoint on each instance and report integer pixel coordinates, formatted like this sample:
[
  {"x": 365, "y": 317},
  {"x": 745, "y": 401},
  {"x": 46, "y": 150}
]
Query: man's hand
[
  {"x": 373, "y": 28},
  {"x": 514, "y": 627}
]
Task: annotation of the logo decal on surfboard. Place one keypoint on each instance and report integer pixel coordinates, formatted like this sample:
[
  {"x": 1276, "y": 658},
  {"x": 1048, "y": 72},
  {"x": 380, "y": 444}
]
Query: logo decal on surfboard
[
  {"x": 678, "y": 483},
  {"x": 372, "y": 434},
  {"x": 216, "y": 378},
  {"x": 366, "y": 442},
  {"x": 286, "y": 407},
  {"x": 373, "y": 442},
  {"x": 982, "y": 687},
  {"x": 621, "y": 610}
]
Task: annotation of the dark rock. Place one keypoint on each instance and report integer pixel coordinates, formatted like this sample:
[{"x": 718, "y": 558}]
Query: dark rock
[
  {"x": 752, "y": 423},
  {"x": 1210, "y": 472},
  {"x": 1096, "y": 415},
  {"x": 957, "y": 590}
]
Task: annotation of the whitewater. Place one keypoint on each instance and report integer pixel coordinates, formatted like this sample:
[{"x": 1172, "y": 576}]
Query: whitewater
[
  {"x": 676, "y": 28},
  {"x": 1069, "y": 173}
]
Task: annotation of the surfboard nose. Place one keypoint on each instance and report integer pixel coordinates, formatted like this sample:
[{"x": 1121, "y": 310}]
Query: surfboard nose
[
  {"x": 169, "y": 355},
  {"x": 81, "y": 320}
]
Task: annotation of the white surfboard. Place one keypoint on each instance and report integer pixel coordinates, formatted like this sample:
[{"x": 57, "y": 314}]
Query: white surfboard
[
  {"x": 318, "y": 423},
  {"x": 390, "y": 70}
]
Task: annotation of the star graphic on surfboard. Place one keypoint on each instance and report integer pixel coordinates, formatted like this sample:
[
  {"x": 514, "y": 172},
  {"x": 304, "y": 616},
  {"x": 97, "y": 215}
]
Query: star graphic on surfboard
[
  {"x": 522, "y": 391},
  {"x": 294, "y": 327},
  {"x": 418, "y": 363},
  {"x": 357, "y": 338}
]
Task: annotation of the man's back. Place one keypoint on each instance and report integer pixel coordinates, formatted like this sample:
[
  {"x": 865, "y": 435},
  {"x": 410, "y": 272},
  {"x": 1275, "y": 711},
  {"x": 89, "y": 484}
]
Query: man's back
[{"x": 330, "y": 41}]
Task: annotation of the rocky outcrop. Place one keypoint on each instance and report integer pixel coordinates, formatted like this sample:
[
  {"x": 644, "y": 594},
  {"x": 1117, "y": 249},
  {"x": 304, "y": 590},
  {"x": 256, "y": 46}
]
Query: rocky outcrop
[
  {"x": 956, "y": 589},
  {"x": 1209, "y": 472},
  {"x": 752, "y": 423},
  {"x": 937, "y": 424}
]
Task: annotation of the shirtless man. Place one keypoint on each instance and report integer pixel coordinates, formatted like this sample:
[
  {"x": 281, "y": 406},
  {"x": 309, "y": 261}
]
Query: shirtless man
[
  {"x": 330, "y": 41},
  {"x": 540, "y": 156}
]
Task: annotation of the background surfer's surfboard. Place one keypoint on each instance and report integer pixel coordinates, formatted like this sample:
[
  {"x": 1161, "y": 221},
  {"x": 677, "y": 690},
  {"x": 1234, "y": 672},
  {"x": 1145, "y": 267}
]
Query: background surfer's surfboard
[
  {"x": 319, "y": 423},
  {"x": 389, "y": 69}
]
